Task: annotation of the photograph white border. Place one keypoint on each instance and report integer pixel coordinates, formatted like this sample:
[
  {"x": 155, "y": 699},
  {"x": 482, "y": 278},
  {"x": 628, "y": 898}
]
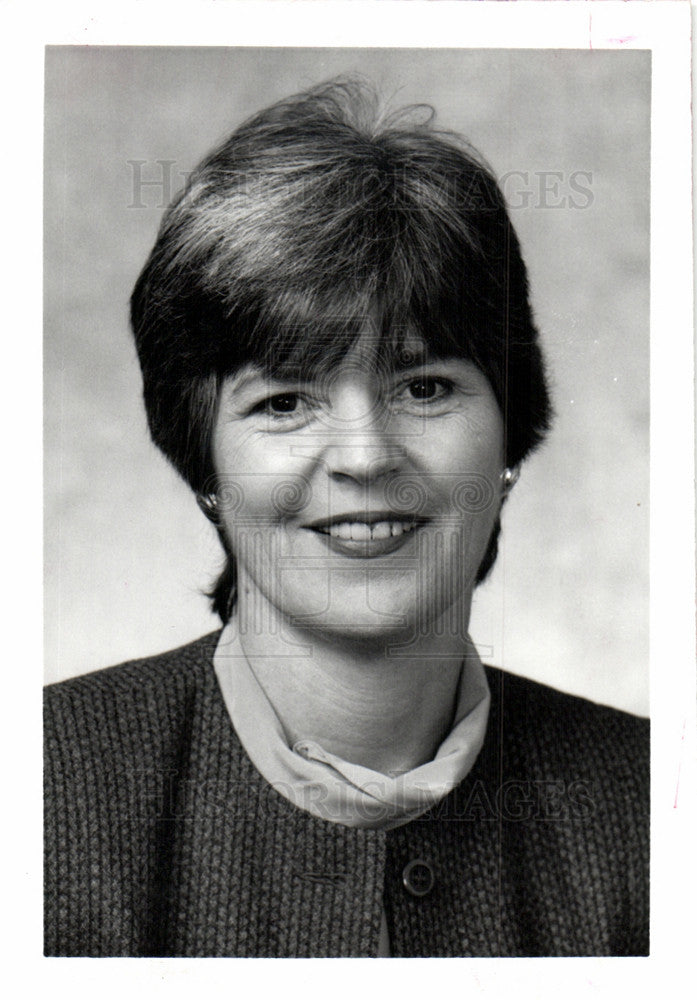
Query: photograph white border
[{"x": 662, "y": 27}]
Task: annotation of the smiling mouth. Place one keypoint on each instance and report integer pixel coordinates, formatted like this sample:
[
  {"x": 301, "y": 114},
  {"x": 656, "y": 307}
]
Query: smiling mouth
[
  {"x": 367, "y": 536},
  {"x": 362, "y": 531}
]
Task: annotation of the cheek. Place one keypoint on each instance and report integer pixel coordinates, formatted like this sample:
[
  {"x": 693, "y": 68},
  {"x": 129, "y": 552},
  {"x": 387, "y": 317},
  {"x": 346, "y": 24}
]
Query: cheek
[
  {"x": 476, "y": 440},
  {"x": 471, "y": 460},
  {"x": 261, "y": 499},
  {"x": 256, "y": 481},
  {"x": 466, "y": 450}
]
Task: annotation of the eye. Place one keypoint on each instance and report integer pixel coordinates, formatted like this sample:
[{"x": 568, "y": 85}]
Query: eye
[
  {"x": 281, "y": 404},
  {"x": 428, "y": 389},
  {"x": 283, "y": 410},
  {"x": 286, "y": 402}
]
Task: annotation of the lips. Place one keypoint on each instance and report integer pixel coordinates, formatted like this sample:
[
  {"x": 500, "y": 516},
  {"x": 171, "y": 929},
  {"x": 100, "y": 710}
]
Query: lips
[{"x": 364, "y": 535}]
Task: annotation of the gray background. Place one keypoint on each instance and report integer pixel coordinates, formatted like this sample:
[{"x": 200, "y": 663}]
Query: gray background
[{"x": 127, "y": 551}]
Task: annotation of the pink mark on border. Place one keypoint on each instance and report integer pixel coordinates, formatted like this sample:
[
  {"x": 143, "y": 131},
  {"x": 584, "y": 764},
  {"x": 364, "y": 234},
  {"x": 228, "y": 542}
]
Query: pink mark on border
[{"x": 677, "y": 783}]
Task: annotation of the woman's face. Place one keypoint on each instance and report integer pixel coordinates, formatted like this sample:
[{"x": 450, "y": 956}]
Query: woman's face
[{"x": 359, "y": 504}]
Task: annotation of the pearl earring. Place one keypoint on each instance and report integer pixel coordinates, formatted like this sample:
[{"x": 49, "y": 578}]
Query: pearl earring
[
  {"x": 509, "y": 477},
  {"x": 208, "y": 502}
]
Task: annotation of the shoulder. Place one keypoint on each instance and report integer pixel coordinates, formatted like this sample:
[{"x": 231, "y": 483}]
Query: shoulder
[
  {"x": 116, "y": 728},
  {"x": 128, "y": 700},
  {"x": 527, "y": 699},
  {"x": 173, "y": 667},
  {"x": 543, "y": 715},
  {"x": 537, "y": 732}
]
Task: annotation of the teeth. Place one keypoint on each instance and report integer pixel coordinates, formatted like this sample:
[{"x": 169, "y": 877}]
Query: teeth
[
  {"x": 359, "y": 531},
  {"x": 381, "y": 530}
]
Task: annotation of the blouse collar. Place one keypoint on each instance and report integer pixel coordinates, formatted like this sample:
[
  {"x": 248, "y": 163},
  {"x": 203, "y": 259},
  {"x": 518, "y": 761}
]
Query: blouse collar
[{"x": 334, "y": 789}]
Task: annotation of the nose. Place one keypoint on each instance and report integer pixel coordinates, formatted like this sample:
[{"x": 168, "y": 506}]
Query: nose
[
  {"x": 363, "y": 460},
  {"x": 362, "y": 449}
]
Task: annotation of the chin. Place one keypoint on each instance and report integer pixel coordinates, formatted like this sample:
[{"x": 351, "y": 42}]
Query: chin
[
  {"x": 367, "y": 636},
  {"x": 387, "y": 623}
]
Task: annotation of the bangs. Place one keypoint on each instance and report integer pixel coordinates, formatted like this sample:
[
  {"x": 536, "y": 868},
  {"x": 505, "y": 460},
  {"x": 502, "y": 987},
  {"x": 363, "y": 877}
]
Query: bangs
[{"x": 301, "y": 335}]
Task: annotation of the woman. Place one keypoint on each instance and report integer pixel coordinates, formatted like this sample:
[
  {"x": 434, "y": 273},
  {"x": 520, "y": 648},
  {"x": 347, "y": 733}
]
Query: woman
[{"x": 339, "y": 357}]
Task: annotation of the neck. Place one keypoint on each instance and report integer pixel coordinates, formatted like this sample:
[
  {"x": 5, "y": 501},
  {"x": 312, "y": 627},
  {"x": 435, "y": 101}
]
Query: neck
[{"x": 356, "y": 698}]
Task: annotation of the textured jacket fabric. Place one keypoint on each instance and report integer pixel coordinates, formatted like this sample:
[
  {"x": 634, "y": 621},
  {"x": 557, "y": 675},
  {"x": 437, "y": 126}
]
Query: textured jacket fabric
[{"x": 163, "y": 840}]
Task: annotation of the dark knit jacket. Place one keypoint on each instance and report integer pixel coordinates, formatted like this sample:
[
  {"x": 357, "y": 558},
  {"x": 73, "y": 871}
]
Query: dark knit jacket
[{"x": 162, "y": 839}]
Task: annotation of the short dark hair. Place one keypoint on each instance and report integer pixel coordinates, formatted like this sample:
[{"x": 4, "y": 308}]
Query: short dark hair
[{"x": 314, "y": 214}]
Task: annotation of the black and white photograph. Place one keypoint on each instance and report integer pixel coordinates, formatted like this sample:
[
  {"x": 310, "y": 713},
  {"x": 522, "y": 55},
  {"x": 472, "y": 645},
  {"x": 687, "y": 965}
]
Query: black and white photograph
[{"x": 348, "y": 380}]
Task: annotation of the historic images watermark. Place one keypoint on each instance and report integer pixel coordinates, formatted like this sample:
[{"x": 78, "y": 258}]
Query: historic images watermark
[
  {"x": 513, "y": 800},
  {"x": 152, "y": 184}
]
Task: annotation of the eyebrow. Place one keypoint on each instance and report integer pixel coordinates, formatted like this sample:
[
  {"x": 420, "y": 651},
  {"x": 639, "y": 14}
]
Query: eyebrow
[
  {"x": 421, "y": 360},
  {"x": 241, "y": 381},
  {"x": 402, "y": 361},
  {"x": 424, "y": 358}
]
